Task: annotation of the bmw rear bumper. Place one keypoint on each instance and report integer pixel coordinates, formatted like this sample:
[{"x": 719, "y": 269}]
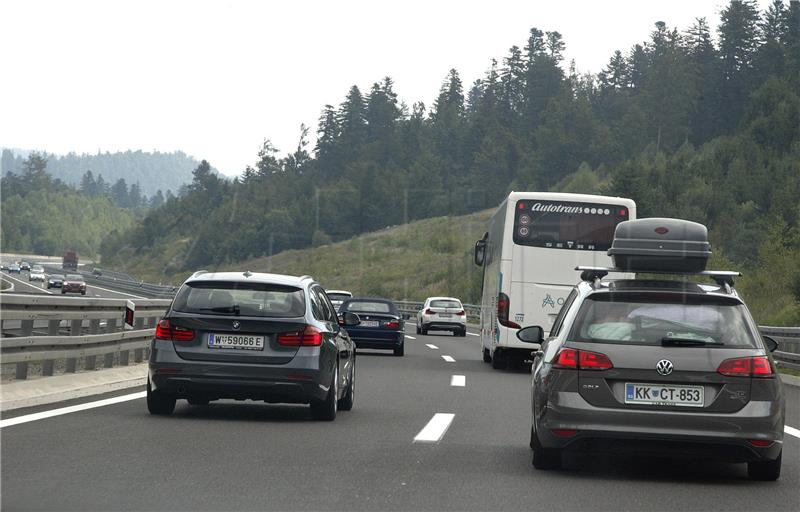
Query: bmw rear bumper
[
  {"x": 444, "y": 326},
  {"x": 719, "y": 436}
]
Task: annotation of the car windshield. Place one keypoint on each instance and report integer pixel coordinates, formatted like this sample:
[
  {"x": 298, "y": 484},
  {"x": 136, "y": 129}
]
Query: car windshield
[
  {"x": 363, "y": 306},
  {"x": 245, "y": 299},
  {"x": 37, "y": 269},
  {"x": 338, "y": 296},
  {"x": 74, "y": 277},
  {"x": 445, "y": 304},
  {"x": 661, "y": 319}
]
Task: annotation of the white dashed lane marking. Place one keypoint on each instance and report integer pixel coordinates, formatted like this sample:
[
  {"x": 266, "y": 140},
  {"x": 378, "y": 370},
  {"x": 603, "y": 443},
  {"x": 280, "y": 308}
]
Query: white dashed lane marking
[
  {"x": 791, "y": 431},
  {"x": 473, "y": 334},
  {"x": 73, "y": 408},
  {"x": 449, "y": 359},
  {"x": 458, "y": 381},
  {"x": 410, "y": 337},
  {"x": 435, "y": 429},
  {"x": 432, "y": 347}
]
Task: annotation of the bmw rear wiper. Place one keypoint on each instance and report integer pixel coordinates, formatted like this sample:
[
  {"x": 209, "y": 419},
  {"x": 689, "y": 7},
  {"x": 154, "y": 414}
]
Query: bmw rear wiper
[
  {"x": 223, "y": 309},
  {"x": 688, "y": 342}
]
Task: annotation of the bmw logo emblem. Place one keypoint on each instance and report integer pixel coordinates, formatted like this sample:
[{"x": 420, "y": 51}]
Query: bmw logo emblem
[{"x": 236, "y": 324}]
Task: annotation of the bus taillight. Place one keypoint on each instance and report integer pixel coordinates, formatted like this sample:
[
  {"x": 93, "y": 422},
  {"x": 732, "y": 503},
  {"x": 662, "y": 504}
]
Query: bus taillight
[{"x": 503, "y": 307}]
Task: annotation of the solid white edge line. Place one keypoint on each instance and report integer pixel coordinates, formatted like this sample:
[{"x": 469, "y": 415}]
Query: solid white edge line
[
  {"x": 791, "y": 431},
  {"x": 458, "y": 381},
  {"x": 435, "y": 429},
  {"x": 115, "y": 291},
  {"x": 410, "y": 337},
  {"x": 432, "y": 347},
  {"x": 28, "y": 284},
  {"x": 473, "y": 334},
  {"x": 73, "y": 408},
  {"x": 449, "y": 359}
]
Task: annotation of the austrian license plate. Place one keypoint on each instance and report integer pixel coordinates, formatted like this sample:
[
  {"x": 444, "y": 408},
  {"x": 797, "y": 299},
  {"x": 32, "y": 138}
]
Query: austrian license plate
[
  {"x": 236, "y": 341},
  {"x": 658, "y": 394},
  {"x": 370, "y": 323}
]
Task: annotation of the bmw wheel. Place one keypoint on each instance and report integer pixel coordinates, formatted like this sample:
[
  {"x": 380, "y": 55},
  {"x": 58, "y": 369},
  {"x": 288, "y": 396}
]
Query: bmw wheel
[
  {"x": 346, "y": 403},
  {"x": 159, "y": 403},
  {"x": 325, "y": 410}
]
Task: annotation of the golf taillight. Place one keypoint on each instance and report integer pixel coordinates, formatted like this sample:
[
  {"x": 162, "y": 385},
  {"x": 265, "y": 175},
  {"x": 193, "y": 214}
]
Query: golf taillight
[
  {"x": 166, "y": 331},
  {"x": 569, "y": 358},
  {"x": 503, "y": 307},
  {"x": 392, "y": 324},
  {"x": 308, "y": 337},
  {"x": 758, "y": 366}
]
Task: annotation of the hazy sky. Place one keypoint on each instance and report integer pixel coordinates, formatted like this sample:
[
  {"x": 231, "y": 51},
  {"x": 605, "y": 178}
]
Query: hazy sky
[{"x": 213, "y": 79}]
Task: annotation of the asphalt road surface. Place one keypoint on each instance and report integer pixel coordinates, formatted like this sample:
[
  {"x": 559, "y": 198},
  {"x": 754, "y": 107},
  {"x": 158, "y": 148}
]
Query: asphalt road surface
[
  {"x": 22, "y": 285},
  {"x": 247, "y": 456}
]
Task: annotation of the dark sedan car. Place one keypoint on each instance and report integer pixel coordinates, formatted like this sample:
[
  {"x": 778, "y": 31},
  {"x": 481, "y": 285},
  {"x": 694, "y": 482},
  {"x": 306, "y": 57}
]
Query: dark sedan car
[
  {"x": 381, "y": 326},
  {"x": 55, "y": 281},
  {"x": 252, "y": 336},
  {"x": 73, "y": 283}
]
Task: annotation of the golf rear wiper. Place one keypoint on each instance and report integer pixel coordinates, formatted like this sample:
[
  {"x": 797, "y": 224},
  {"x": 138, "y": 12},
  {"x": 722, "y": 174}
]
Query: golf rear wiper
[
  {"x": 223, "y": 309},
  {"x": 688, "y": 342}
]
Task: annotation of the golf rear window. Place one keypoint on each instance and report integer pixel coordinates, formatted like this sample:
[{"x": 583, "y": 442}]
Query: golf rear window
[
  {"x": 445, "y": 304},
  {"x": 364, "y": 306},
  {"x": 650, "y": 319},
  {"x": 245, "y": 299}
]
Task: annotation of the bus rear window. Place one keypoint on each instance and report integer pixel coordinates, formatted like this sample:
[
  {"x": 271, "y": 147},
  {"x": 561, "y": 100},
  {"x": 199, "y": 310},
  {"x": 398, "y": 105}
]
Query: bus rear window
[{"x": 567, "y": 225}]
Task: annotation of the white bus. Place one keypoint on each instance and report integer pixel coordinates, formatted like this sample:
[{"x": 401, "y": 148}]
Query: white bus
[{"x": 535, "y": 241}]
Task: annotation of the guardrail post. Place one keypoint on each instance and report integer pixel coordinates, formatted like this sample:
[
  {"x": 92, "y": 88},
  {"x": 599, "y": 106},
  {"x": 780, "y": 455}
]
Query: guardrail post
[
  {"x": 52, "y": 327},
  {"x": 71, "y": 366},
  {"x": 22, "y": 371},
  {"x": 108, "y": 360},
  {"x": 75, "y": 327},
  {"x": 138, "y": 324},
  {"x": 137, "y": 355},
  {"x": 27, "y": 328},
  {"x": 90, "y": 363},
  {"x": 47, "y": 368},
  {"x": 94, "y": 326},
  {"x": 124, "y": 356},
  {"x": 111, "y": 325}
]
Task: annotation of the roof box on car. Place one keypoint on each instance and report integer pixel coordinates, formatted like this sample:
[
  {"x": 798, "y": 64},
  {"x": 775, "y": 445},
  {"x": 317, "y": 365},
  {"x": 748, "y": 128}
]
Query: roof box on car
[{"x": 660, "y": 245}]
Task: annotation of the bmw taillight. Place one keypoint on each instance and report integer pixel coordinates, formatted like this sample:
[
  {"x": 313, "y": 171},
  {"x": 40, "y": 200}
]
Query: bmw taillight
[
  {"x": 571, "y": 359},
  {"x": 461, "y": 313},
  {"x": 429, "y": 311},
  {"x": 166, "y": 331},
  {"x": 746, "y": 367},
  {"x": 503, "y": 307},
  {"x": 392, "y": 324},
  {"x": 308, "y": 337}
]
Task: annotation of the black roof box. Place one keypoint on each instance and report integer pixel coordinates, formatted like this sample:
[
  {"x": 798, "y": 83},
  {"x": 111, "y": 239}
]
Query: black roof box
[{"x": 660, "y": 245}]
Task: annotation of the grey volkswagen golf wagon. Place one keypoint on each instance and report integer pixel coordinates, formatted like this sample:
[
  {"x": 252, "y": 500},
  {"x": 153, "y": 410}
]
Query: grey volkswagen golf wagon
[
  {"x": 657, "y": 366},
  {"x": 257, "y": 336}
]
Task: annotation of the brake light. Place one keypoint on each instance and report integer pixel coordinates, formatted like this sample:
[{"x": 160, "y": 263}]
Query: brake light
[
  {"x": 430, "y": 312},
  {"x": 760, "y": 443},
  {"x": 564, "y": 432},
  {"x": 594, "y": 361},
  {"x": 166, "y": 331},
  {"x": 503, "y": 307},
  {"x": 571, "y": 359},
  {"x": 461, "y": 313},
  {"x": 392, "y": 324},
  {"x": 746, "y": 367},
  {"x": 308, "y": 337}
]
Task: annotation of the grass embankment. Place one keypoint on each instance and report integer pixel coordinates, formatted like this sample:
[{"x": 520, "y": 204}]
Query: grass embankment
[{"x": 411, "y": 261}]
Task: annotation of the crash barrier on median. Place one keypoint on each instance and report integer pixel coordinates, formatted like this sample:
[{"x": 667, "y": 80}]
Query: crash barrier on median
[
  {"x": 46, "y": 329},
  {"x": 788, "y": 338},
  {"x": 133, "y": 287},
  {"x": 409, "y": 310}
]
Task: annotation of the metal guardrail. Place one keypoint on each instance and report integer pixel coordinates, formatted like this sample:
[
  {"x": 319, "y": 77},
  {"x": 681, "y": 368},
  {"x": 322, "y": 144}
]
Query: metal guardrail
[
  {"x": 788, "y": 339},
  {"x": 32, "y": 330}
]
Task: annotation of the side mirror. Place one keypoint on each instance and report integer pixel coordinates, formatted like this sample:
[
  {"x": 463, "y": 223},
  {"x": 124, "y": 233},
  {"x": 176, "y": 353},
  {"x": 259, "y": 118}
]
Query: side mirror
[
  {"x": 480, "y": 252},
  {"x": 771, "y": 344},
  {"x": 348, "y": 319},
  {"x": 532, "y": 334}
]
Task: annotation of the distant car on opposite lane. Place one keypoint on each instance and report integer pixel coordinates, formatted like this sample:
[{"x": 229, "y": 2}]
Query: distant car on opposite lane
[
  {"x": 25, "y": 265},
  {"x": 36, "y": 274},
  {"x": 14, "y": 269},
  {"x": 337, "y": 297},
  {"x": 381, "y": 327},
  {"x": 55, "y": 281},
  {"x": 442, "y": 314},
  {"x": 73, "y": 283}
]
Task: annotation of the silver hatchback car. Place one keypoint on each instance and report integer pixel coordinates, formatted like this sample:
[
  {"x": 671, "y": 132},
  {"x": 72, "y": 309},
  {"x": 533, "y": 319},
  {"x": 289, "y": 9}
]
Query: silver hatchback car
[{"x": 656, "y": 367}]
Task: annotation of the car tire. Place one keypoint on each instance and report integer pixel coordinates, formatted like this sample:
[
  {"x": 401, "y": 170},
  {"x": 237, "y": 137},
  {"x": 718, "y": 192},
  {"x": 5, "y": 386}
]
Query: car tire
[
  {"x": 63, "y": 292},
  {"x": 424, "y": 330},
  {"x": 83, "y": 293},
  {"x": 463, "y": 333},
  {"x": 325, "y": 410},
  {"x": 544, "y": 458},
  {"x": 399, "y": 351},
  {"x": 346, "y": 403},
  {"x": 487, "y": 356},
  {"x": 160, "y": 404},
  {"x": 768, "y": 470},
  {"x": 418, "y": 330},
  {"x": 499, "y": 363},
  {"x": 197, "y": 400}
]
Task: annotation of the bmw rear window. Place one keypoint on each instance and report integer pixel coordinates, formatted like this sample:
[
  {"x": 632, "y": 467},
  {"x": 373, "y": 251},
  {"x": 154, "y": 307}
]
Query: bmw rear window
[
  {"x": 245, "y": 299},
  {"x": 445, "y": 304},
  {"x": 663, "y": 318}
]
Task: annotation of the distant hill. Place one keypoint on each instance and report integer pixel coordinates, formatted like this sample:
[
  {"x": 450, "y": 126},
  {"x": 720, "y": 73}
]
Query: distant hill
[{"x": 153, "y": 171}]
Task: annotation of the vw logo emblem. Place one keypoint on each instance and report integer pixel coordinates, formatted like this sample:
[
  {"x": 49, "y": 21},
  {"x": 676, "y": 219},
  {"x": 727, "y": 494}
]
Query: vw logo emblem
[
  {"x": 236, "y": 326},
  {"x": 664, "y": 367}
]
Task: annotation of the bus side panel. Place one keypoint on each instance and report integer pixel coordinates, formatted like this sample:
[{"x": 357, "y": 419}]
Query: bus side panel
[{"x": 492, "y": 276}]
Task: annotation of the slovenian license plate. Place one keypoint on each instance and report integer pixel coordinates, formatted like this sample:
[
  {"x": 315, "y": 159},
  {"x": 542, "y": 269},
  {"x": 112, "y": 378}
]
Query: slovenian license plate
[
  {"x": 236, "y": 341},
  {"x": 370, "y": 323},
  {"x": 445, "y": 315},
  {"x": 659, "y": 394}
]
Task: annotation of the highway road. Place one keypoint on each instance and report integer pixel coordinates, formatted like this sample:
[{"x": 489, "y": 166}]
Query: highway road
[
  {"x": 247, "y": 456},
  {"x": 22, "y": 285}
]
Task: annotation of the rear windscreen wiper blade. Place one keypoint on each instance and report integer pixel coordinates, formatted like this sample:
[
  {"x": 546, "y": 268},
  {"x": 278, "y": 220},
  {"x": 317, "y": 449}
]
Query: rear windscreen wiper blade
[
  {"x": 688, "y": 342},
  {"x": 223, "y": 309}
]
